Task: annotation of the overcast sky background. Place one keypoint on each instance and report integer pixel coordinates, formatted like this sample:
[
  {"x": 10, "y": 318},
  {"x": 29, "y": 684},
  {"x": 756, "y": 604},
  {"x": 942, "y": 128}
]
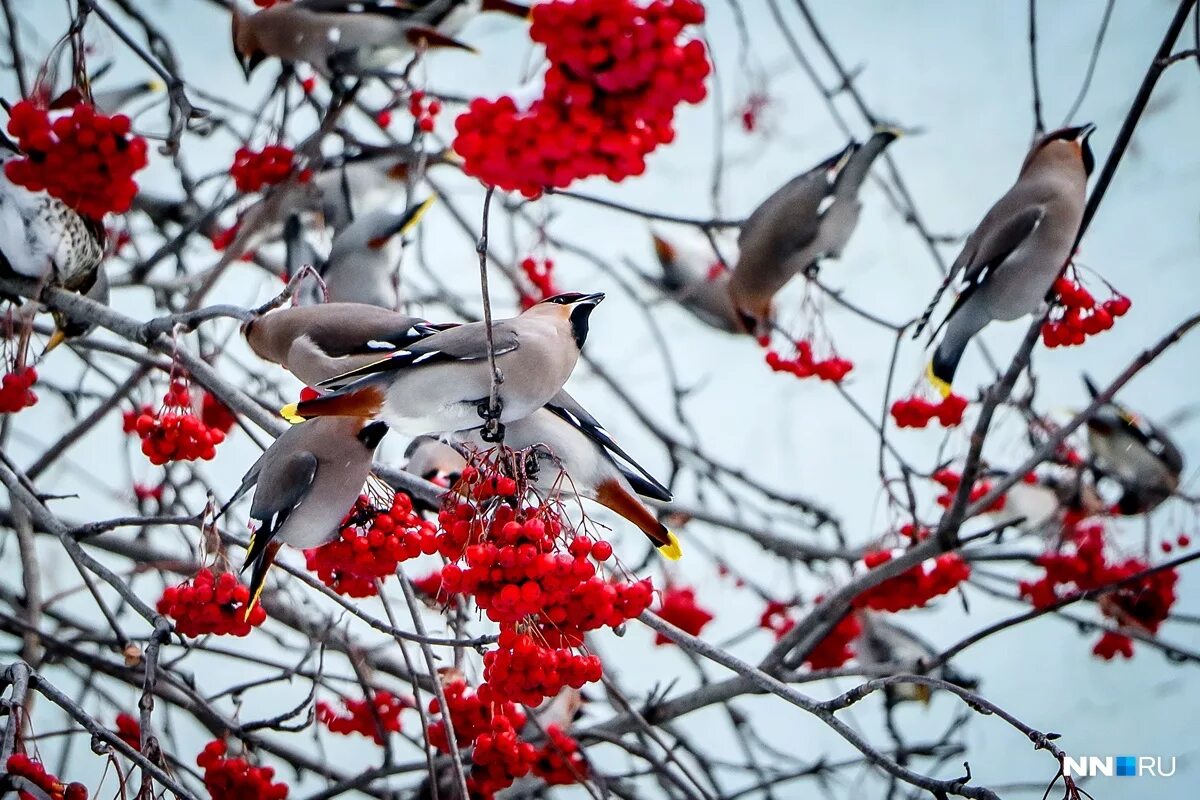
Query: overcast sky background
[{"x": 959, "y": 73}]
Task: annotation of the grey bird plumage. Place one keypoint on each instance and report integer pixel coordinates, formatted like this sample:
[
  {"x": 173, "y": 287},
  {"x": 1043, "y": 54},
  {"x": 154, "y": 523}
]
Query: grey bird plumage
[
  {"x": 363, "y": 261},
  {"x": 1136, "y": 454},
  {"x": 692, "y": 278},
  {"x": 1009, "y": 263},
  {"x": 443, "y": 383},
  {"x": 316, "y": 343},
  {"x": 304, "y": 484}
]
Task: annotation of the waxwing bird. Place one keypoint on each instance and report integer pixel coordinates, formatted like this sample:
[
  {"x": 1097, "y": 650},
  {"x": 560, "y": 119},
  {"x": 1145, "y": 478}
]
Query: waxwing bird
[
  {"x": 316, "y": 343},
  {"x": 1042, "y": 502},
  {"x": 333, "y": 36},
  {"x": 809, "y": 219},
  {"x": 443, "y": 383},
  {"x": 576, "y": 456},
  {"x": 304, "y": 484},
  {"x": 884, "y": 643},
  {"x": 1009, "y": 263},
  {"x": 67, "y": 328},
  {"x": 1137, "y": 455},
  {"x": 452, "y": 16},
  {"x": 363, "y": 259},
  {"x": 434, "y": 461},
  {"x": 696, "y": 279},
  {"x": 42, "y": 238}
]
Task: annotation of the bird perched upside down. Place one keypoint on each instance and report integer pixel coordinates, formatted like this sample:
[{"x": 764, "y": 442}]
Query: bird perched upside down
[
  {"x": 443, "y": 382},
  {"x": 1009, "y": 263}
]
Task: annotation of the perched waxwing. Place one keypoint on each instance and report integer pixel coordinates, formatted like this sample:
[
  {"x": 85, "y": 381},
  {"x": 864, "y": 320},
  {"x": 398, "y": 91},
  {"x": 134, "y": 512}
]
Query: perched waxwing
[
  {"x": 443, "y": 383},
  {"x": 883, "y": 642},
  {"x": 694, "y": 277},
  {"x": 334, "y": 36},
  {"x": 808, "y": 219},
  {"x": 1137, "y": 455},
  {"x": 67, "y": 328},
  {"x": 316, "y": 343},
  {"x": 304, "y": 485},
  {"x": 1010, "y": 262},
  {"x": 43, "y": 238},
  {"x": 362, "y": 262},
  {"x": 576, "y": 456},
  {"x": 434, "y": 461}
]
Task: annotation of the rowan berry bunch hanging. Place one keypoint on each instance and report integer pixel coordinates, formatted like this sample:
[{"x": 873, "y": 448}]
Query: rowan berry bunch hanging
[
  {"x": 129, "y": 729},
  {"x": 915, "y": 586},
  {"x": 916, "y": 411},
  {"x": 22, "y": 766},
  {"x": 950, "y": 481},
  {"x": 558, "y": 762},
  {"x": 777, "y": 618},
  {"x": 837, "y": 647},
  {"x": 16, "y": 389},
  {"x": 526, "y": 671},
  {"x": 371, "y": 543},
  {"x": 254, "y": 169},
  {"x": 211, "y": 603},
  {"x": 618, "y": 69},
  {"x": 216, "y": 415},
  {"x": 540, "y": 274},
  {"x": 174, "y": 432},
  {"x": 1076, "y": 314},
  {"x": 228, "y": 778},
  {"x": 360, "y": 716},
  {"x": 424, "y": 110},
  {"x": 803, "y": 364},
  {"x": 84, "y": 158},
  {"x": 678, "y": 607}
]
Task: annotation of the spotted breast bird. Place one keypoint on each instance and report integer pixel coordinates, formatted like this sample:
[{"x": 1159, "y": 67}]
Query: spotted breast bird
[
  {"x": 316, "y": 343},
  {"x": 443, "y": 383},
  {"x": 576, "y": 456},
  {"x": 334, "y": 36},
  {"x": 304, "y": 485},
  {"x": 362, "y": 263},
  {"x": 694, "y": 277},
  {"x": 1009, "y": 263},
  {"x": 810, "y": 218},
  {"x": 42, "y": 238},
  {"x": 1137, "y": 455}
]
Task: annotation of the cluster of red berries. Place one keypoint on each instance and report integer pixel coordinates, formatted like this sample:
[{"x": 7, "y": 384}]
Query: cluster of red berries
[
  {"x": 267, "y": 3},
  {"x": 144, "y": 492},
  {"x": 540, "y": 273},
  {"x": 84, "y": 158},
  {"x": 20, "y": 765},
  {"x": 370, "y": 544},
  {"x": 526, "y": 671},
  {"x": 234, "y": 779},
  {"x": 777, "y": 618},
  {"x": 803, "y": 365},
  {"x": 216, "y": 415},
  {"x": 224, "y": 237},
  {"x": 359, "y": 716},
  {"x": 1077, "y": 315},
  {"x": 178, "y": 434},
  {"x": 915, "y": 586},
  {"x": 424, "y": 110},
  {"x": 129, "y": 729},
  {"x": 432, "y": 587},
  {"x": 211, "y": 604},
  {"x": 558, "y": 762},
  {"x": 16, "y": 390},
  {"x": 917, "y": 412},
  {"x": 617, "y": 71},
  {"x": 837, "y": 647},
  {"x": 1182, "y": 541},
  {"x": 490, "y": 725},
  {"x": 950, "y": 480},
  {"x": 254, "y": 169},
  {"x": 678, "y": 607}
]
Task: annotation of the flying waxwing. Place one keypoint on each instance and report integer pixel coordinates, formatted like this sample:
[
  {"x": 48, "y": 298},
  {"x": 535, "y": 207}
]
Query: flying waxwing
[
  {"x": 363, "y": 260},
  {"x": 304, "y": 484},
  {"x": 451, "y": 16},
  {"x": 443, "y": 383},
  {"x": 333, "y": 36},
  {"x": 808, "y": 219},
  {"x": 1137, "y": 455},
  {"x": 110, "y": 101},
  {"x": 43, "y": 238},
  {"x": 694, "y": 277},
  {"x": 884, "y": 643},
  {"x": 1010, "y": 261},
  {"x": 576, "y": 456},
  {"x": 67, "y": 328},
  {"x": 316, "y": 343},
  {"x": 434, "y": 461}
]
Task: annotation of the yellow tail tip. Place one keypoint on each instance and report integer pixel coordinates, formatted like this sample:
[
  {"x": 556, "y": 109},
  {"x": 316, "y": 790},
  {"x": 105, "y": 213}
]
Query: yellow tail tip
[
  {"x": 291, "y": 412},
  {"x": 671, "y": 550},
  {"x": 943, "y": 387},
  {"x": 417, "y": 213},
  {"x": 253, "y": 602}
]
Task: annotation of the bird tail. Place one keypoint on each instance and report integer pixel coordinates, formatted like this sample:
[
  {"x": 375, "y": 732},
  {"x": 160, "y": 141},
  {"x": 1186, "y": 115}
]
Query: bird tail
[
  {"x": 612, "y": 495},
  {"x": 519, "y": 10},
  {"x": 432, "y": 38},
  {"x": 261, "y": 555},
  {"x": 353, "y": 401}
]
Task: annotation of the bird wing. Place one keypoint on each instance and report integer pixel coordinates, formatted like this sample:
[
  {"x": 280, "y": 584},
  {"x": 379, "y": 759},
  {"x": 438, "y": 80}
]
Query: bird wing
[
  {"x": 566, "y": 407},
  {"x": 984, "y": 255},
  {"x": 281, "y": 486}
]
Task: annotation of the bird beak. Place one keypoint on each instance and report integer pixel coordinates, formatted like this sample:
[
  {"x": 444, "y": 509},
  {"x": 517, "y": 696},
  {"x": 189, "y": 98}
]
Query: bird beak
[
  {"x": 56, "y": 338},
  {"x": 1084, "y": 131},
  {"x": 593, "y": 299}
]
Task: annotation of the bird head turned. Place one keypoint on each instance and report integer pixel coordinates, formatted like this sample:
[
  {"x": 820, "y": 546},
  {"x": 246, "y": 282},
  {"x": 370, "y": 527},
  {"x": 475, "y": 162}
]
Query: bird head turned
[{"x": 1073, "y": 141}]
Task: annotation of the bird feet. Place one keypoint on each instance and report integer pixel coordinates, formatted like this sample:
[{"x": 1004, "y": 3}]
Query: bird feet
[{"x": 490, "y": 412}]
